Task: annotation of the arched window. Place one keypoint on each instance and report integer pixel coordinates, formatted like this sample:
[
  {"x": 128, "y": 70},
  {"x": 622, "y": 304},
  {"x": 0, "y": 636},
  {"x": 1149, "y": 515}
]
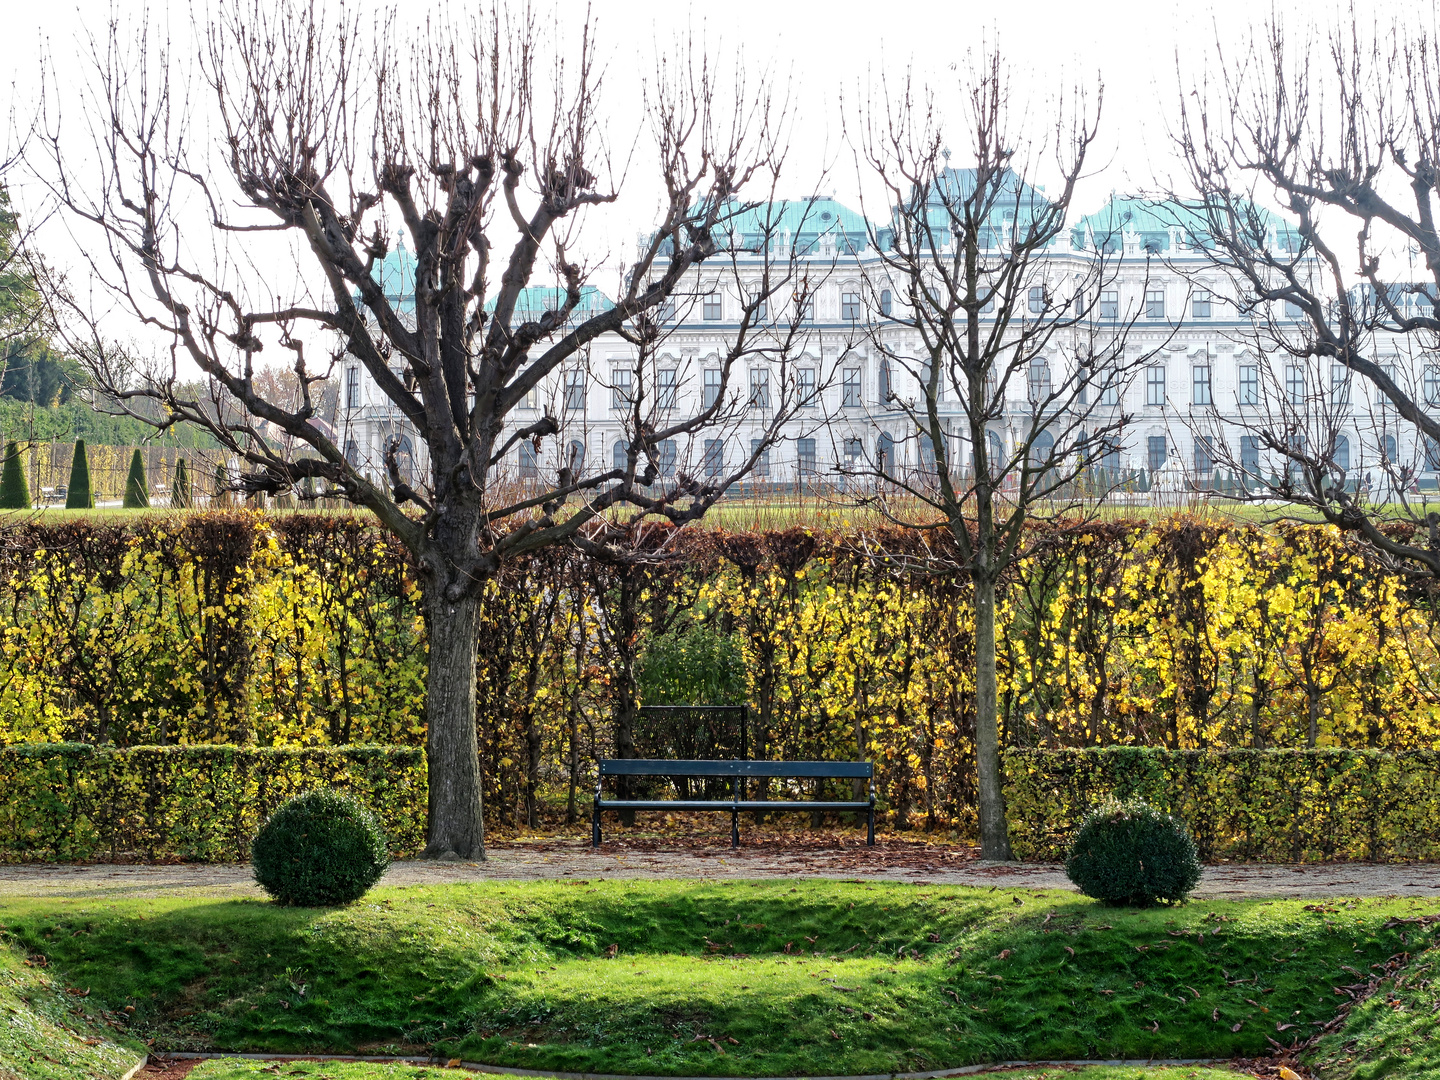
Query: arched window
[
  {"x": 1388, "y": 449},
  {"x": 405, "y": 458},
  {"x": 576, "y": 457},
  {"x": 885, "y": 453},
  {"x": 996, "y": 449},
  {"x": 1342, "y": 453},
  {"x": 885, "y": 381},
  {"x": 1042, "y": 450},
  {"x": 620, "y": 455},
  {"x": 885, "y": 302},
  {"x": 1039, "y": 380}
]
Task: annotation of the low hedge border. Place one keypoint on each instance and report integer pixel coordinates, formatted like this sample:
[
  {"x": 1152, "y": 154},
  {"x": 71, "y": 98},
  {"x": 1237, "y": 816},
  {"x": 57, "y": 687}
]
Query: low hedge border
[
  {"x": 76, "y": 802},
  {"x": 73, "y": 801},
  {"x": 1241, "y": 805}
]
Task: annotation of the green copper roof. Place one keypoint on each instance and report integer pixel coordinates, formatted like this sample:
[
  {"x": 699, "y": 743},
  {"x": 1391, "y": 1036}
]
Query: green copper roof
[
  {"x": 1156, "y": 222},
  {"x": 1014, "y": 205},
  {"x": 535, "y": 300},
  {"x": 396, "y": 275},
  {"x": 803, "y": 221}
]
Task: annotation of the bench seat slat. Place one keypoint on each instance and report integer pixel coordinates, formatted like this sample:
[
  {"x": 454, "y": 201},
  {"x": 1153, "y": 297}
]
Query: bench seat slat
[
  {"x": 652, "y": 767},
  {"x": 736, "y": 771},
  {"x": 749, "y": 804}
]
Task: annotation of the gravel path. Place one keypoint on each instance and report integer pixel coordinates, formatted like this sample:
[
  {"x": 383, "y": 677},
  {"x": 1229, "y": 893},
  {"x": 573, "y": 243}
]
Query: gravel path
[{"x": 888, "y": 861}]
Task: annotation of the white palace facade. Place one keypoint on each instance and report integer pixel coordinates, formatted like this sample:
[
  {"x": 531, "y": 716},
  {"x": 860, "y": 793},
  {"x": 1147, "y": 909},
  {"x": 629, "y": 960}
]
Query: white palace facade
[{"x": 1201, "y": 375}]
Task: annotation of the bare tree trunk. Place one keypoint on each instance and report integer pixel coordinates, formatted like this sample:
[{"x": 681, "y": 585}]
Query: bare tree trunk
[
  {"x": 534, "y": 744},
  {"x": 625, "y": 713},
  {"x": 994, "y": 835},
  {"x": 457, "y": 822},
  {"x": 573, "y": 735}
]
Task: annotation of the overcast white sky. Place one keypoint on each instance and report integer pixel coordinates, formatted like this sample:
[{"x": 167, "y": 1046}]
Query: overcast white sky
[{"x": 825, "y": 49}]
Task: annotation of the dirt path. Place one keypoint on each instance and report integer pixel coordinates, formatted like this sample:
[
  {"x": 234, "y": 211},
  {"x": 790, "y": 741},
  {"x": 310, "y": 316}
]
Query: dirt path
[{"x": 890, "y": 860}]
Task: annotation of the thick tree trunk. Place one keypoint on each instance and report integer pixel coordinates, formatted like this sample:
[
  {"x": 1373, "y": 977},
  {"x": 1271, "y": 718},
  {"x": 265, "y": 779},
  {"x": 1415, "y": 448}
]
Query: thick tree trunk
[
  {"x": 994, "y": 836},
  {"x": 457, "y": 823},
  {"x": 625, "y": 746}
]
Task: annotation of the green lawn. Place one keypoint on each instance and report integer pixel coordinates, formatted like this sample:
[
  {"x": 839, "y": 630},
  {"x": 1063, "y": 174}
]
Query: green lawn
[{"x": 711, "y": 979}]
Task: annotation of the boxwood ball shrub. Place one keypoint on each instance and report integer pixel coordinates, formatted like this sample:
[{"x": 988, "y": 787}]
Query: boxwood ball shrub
[
  {"x": 1130, "y": 854},
  {"x": 319, "y": 849}
]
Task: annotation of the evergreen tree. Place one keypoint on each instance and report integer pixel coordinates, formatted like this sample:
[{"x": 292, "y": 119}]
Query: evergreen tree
[
  {"x": 14, "y": 489},
  {"x": 180, "y": 489},
  {"x": 137, "y": 488},
  {"x": 78, "y": 495}
]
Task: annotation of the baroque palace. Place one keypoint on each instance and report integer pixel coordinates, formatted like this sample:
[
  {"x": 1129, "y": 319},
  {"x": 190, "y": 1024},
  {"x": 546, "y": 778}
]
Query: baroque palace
[{"x": 1202, "y": 374}]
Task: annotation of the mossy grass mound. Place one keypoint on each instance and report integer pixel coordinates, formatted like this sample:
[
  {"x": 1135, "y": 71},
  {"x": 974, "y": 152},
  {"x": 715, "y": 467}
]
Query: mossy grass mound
[
  {"x": 50, "y": 1033},
  {"x": 319, "y": 849},
  {"x": 1393, "y": 1032},
  {"x": 787, "y": 978}
]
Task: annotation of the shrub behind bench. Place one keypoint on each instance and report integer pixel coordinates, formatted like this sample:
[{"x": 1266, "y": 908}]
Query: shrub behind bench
[{"x": 69, "y": 801}]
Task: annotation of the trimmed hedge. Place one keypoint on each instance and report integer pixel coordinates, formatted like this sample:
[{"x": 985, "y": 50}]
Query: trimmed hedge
[
  {"x": 137, "y": 486},
  {"x": 1242, "y": 805},
  {"x": 71, "y": 801}
]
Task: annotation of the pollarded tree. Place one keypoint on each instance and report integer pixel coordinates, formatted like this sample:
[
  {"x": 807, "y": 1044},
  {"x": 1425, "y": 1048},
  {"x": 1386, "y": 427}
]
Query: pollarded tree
[
  {"x": 1343, "y": 135},
  {"x": 981, "y": 303},
  {"x": 489, "y": 151}
]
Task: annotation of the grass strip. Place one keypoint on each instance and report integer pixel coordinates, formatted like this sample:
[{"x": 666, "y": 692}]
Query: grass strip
[
  {"x": 688, "y": 978},
  {"x": 239, "y": 1069}
]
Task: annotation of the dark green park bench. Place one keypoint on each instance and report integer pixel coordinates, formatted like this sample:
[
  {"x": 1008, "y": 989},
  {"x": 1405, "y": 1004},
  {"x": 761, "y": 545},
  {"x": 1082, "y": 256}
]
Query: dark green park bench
[{"x": 737, "y": 772}]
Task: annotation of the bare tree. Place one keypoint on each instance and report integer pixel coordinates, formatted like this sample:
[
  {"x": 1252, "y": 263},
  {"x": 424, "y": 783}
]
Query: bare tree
[
  {"x": 1343, "y": 134},
  {"x": 475, "y": 140},
  {"x": 996, "y": 321}
]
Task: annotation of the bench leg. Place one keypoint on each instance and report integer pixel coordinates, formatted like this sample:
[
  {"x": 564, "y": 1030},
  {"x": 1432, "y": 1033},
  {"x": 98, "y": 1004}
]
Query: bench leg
[
  {"x": 595, "y": 825},
  {"x": 734, "y": 828},
  {"x": 870, "y": 831}
]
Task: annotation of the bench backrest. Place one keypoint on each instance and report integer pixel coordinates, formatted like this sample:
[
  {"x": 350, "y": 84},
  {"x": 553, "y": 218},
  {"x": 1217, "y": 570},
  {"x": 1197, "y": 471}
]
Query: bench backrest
[{"x": 654, "y": 767}]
